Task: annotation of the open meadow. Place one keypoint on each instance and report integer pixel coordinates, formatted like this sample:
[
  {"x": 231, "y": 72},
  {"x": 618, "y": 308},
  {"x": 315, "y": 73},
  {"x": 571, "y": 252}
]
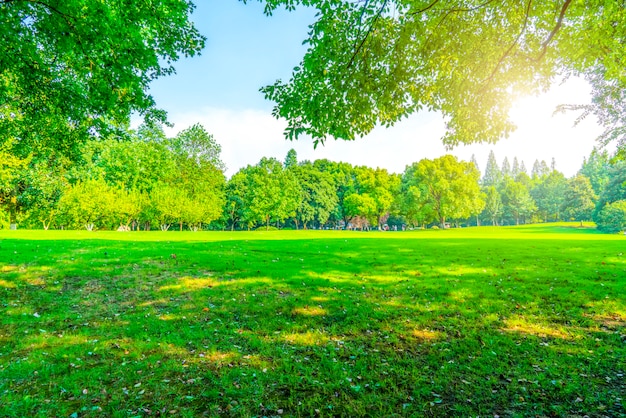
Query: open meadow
[{"x": 520, "y": 321}]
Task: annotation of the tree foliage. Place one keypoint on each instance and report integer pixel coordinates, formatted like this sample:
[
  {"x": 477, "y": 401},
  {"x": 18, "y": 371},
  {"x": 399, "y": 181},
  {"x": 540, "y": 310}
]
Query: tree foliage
[
  {"x": 376, "y": 61},
  {"x": 76, "y": 68},
  {"x": 448, "y": 188}
]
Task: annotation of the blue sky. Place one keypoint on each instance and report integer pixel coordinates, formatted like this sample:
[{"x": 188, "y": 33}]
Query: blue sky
[{"x": 246, "y": 50}]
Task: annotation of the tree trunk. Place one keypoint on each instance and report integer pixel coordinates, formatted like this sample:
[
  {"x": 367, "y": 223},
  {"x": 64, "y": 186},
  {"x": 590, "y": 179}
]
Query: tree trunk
[{"x": 181, "y": 225}]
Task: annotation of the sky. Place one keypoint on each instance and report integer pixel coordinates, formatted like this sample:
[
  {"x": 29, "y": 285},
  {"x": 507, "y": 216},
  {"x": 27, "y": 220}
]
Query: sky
[{"x": 246, "y": 50}]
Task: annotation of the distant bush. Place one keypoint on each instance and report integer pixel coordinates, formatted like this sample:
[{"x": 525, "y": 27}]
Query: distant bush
[
  {"x": 612, "y": 217},
  {"x": 434, "y": 227}
]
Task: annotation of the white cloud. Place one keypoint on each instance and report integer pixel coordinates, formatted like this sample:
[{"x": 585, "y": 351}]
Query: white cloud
[{"x": 247, "y": 136}]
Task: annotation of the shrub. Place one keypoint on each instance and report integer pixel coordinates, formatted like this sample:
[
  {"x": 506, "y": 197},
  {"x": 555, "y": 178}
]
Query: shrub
[{"x": 612, "y": 217}]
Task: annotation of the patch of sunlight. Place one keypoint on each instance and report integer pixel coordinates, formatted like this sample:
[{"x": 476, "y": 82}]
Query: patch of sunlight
[
  {"x": 256, "y": 360},
  {"x": 463, "y": 271},
  {"x": 612, "y": 320},
  {"x": 306, "y": 338},
  {"x": 461, "y": 295},
  {"x": 49, "y": 340},
  {"x": 427, "y": 335},
  {"x": 6, "y": 269},
  {"x": 192, "y": 283},
  {"x": 170, "y": 317},
  {"x": 35, "y": 281},
  {"x": 218, "y": 357},
  {"x": 523, "y": 326},
  {"x": 8, "y": 285},
  {"x": 158, "y": 302},
  {"x": 395, "y": 303},
  {"x": 310, "y": 311},
  {"x": 320, "y": 299},
  {"x": 21, "y": 310}
]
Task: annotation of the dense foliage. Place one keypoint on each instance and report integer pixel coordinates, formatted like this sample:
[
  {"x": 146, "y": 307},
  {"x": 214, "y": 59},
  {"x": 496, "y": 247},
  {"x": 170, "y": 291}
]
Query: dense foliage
[
  {"x": 76, "y": 69},
  {"x": 153, "y": 182},
  {"x": 374, "y": 62}
]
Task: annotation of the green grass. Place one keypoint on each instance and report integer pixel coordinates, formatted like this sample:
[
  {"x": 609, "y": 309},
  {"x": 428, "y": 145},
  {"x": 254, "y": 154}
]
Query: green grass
[{"x": 526, "y": 321}]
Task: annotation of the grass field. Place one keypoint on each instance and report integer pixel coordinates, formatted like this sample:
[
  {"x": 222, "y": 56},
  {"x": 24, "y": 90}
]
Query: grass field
[{"x": 524, "y": 321}]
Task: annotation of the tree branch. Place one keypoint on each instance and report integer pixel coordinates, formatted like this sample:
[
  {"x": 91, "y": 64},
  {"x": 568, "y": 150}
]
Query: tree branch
[
  {"x": 425, "y": 9},
  {"x": 556, "y": 28},
  {"x": 358, "y": 49},
  {"x": 515, "y": 42}
]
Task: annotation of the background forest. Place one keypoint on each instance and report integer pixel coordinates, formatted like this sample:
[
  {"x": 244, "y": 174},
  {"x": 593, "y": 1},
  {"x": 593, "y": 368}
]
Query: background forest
[{"x": 148, "y": 181}]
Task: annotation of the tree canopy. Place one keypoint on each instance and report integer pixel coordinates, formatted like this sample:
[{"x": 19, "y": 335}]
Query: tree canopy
[
  {"x": 377, "y": 61},
  {"x": 76, "y": 68}
]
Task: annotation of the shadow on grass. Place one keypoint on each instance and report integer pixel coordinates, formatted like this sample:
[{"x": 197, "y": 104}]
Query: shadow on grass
[{"x": 336, "y": 327}]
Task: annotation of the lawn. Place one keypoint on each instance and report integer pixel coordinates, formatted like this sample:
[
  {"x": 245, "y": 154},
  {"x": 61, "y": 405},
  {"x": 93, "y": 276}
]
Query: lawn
[{"x": 521, "y": 321}]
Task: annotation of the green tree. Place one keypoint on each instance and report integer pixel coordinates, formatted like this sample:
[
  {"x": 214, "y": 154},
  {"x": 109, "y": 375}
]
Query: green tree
[
  {"x": 596, "y": 168},
  {"x": 76, "y": 67},
  {"x": 615, "y": 189},
  {"x": 91, "y": 204},
  {"x": 374, "y": 62},
  {"x": 448, "y": 188},
  {"x": 345, "y": 182},
  {"x": 493, "y": 204},
  {"x": 506, "y": 168},
  {"x": 516, "y": 200},
  {"x": 612, "y": 217},
  {"x": 380, "y": 186},
  {"x": 493, "y": 175},
  {"x": 317, "y": 194},
  {"x": 291, "y": 160},
  {"x": 273, "y": 193},
  {"x": 236, "y": 208},
  {"x": 360, "y": 210},
  {"x": 579, "y": 199},
  {"x": 548, "y": 193}
]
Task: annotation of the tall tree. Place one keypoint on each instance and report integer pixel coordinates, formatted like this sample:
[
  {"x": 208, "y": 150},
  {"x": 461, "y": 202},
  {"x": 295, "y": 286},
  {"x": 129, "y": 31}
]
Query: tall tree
[
  {"x": 579, "y": 199},
  {"x": 448, "y": 188},
  {"x": 493, "y": 175},
  {"x": 596, "y": 168},
  {"x": 374, "y": 62},
  {"x": 549, "y": 194},
  {"x": 291, "y": 160},
  {"x": 493, "y": 204},
  {"x": 76, "y": 67},
  {"x": 515, "y": 169},
  {"x": 317, "y": 194},
  {"x": 517, "y": 202},
  {"x": 506, "y": 168}
]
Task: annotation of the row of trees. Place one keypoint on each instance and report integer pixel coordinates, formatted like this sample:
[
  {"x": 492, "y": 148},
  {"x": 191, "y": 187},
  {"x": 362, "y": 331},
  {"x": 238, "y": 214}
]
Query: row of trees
[{"x": 150, "y": 181}]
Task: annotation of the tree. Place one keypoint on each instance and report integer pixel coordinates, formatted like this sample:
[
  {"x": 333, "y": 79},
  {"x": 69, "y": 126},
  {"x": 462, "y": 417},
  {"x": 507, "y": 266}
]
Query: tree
[
  {"x": 515, "y": 169},
  {"x": 579, "y": 199},
  {"x": 197, "y": 145},
  {"x": 493, "y": 175},
  {"x": 612, "y": 217},
  {"x": 516, "y": 200},
  {"x": 90, "y": 204},
  {"x": 549, "y": 193},
  {"x": 596, "y": 168},
  {"x": 448, "y": 188},
  {"x": 540, "y": 169},
  {"x": 273, "y": 193},
  {"x": 80, "y": 67},
  {"x": 380, "y": 186},
  {"x": 615, "y": 189},
  {"x": 375, "y": 62},
  {"x": 493, "y": 204},
  {"x": 506, "y": 168},
  {"x": 291, "y": 159},
  {"x": 317, "y": 194},
  {"x": 361, "y": 207}
]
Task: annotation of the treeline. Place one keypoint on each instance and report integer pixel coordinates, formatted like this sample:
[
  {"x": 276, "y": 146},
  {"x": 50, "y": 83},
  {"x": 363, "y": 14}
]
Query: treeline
[{"x": 149, "y": 181}]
